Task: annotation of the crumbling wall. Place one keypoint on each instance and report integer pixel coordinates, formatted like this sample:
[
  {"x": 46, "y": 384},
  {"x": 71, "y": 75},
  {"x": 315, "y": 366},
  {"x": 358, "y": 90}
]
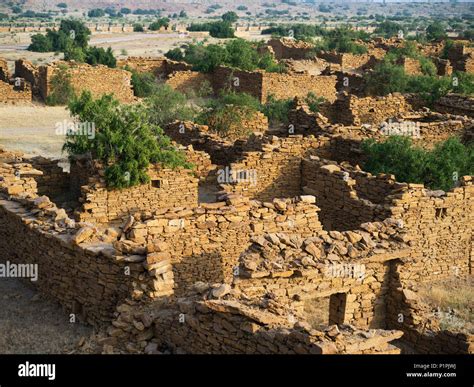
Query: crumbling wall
[
  {"x": 273, "y": 170},
  {"x": 410, "y": 66},
  {"x": 87, "y": 280},
  {"x": 188, "y": 133},
  {"x": 250, "y": 82},
  {"x": 440, "y": 229},
  {"x": 186, "y": 81},
  {"x": 161, "y": 67},
  {"x": 28, "y": 71},
  {"x": 4, "y": 72},
  {"x": 231, "y": 327},
  {"x": 54, "y": 181},
  {"x": 290, "y": 48},
  {"x": 456, "y": 104},
  {"x": 350, "y": 267},
  {"x": 341, "y": 206},
  {"x": 351, "y": 110},
  {"x": 407, "y": 312},
  {"x": 99, "y": 80},
  {"x": 207, "y": 240},
  {"x": 12, "y": 94},
  {"x": 284, "y": 86},
  {"x": 167, "y": 188}
]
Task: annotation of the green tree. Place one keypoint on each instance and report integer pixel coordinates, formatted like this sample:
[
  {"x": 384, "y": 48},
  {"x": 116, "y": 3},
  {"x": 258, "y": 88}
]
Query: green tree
[
  {"x": 138, "y": 27},
  {"x": 175, "y": 54},
  {"x": 96, "y": 12},
  {"x": 412, "y": 164},
  {"x": 98, "y": 55},
  {"x": 125, "y": 140},
  {"x": 40, "y": 43},
  {"x": 61, "y": 90},
  {"x": 166, "y": 105},
  {"x": 386, "y": 78},
  {"x": 221, "y": 30},
  {"x": 156, "y": 25},
  {"x": 230, "y": 17},
  {"x": 436, "y": 31}
]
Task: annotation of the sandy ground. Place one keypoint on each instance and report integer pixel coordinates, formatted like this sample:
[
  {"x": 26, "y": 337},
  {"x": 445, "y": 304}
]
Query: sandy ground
[
  {"x": 31, "y": 129},
  {"x": 31, "y": 325}
]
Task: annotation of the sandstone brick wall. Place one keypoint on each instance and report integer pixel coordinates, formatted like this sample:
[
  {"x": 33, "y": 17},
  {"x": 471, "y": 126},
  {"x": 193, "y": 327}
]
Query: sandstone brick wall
[
  {"x": 456, "y": 104},
  {"x": 275, "y": 166},
  {"x": 54, "y": 181},
  {"x": 87, "y": 280},
  {"x": 351, "y": 110},
  {"x": 421, "y": 327},
  {"x": 167, "y": 188},
  {"x": 284, "y": 86},
  {"x": 231, "y": 327},
  {"x": 290, "y": 49},
  {"x": 349, "y": 61},
  {"x": 440, "y": 229},
  {"x": 443, "y": 67},
  {"x": 225, "y": 78},
  {"x": 98, "y": 80},
  {"x": 186, "y": 81},
  {"x": 27, "y": 70},
  {"x": 410, "y": 66},
  {"x": 262, "y": 84},
  {"x": 17, "y": 177},
  {"x": 341, "y": 207},
  {"x": 161, "y": 67},
  {"x": 250, "y": 122},
  {"x": 11, "y": 94},
  {"x": 308, "y": 269},
  {"x": 4, "y": 72},
  {"x": 221, "y": 151}
]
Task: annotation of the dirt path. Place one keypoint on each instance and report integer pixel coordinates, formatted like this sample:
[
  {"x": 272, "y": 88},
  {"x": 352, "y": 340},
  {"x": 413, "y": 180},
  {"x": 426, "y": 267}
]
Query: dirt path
[
  {"x": 32, "y": 129},
  {"x": 31, "y": 325}
]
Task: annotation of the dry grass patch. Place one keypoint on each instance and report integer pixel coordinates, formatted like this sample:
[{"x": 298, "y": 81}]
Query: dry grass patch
[{"x": 453, "y": 303}]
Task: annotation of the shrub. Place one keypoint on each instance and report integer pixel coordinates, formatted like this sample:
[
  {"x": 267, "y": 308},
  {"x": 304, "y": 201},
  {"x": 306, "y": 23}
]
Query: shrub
[
  {"x": 277, "y": 109},
  {"x": 175, "y": 54},
  {"x": 144, "y": 84},
  {"x": 436, "y": 31},
  {"x": 125, "y": 153},
  {"x": 97, "y": 55},
  {"x": 156, "y": 25},
  {"x": 411, "y": 164},
  {"x": 221, "y": 30},
  {"x": 230, "y": 17},
  {"x": 237, "y": 53},
  {"x": 138, "y": 28},
  {"x": 388, "y": 29},
  {"x": 166, "y": 105},
  {"x": 226, "y": 114},
  {"x": 97, "y": 12},
  {"x": 314, "y": 102},
  {"x": 61, "y": 91},
  {"x": 40, "y": 43},
  {"x": 74, "y": 53},
  {"x": 386, "y": 78},
  {"x": 71, "y": 33}
]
